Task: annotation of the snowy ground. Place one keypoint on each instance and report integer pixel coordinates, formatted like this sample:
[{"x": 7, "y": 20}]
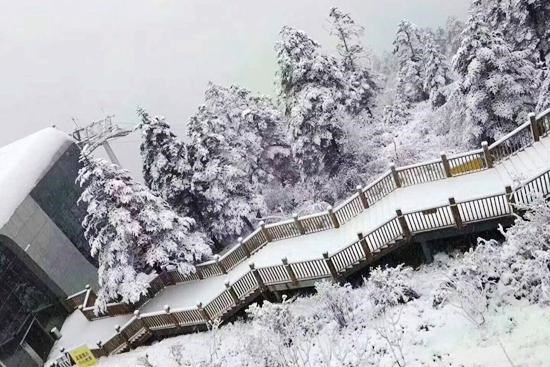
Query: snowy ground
[
  {"x": 525, "y": 165},
  {"x": 431, "y": 337}
]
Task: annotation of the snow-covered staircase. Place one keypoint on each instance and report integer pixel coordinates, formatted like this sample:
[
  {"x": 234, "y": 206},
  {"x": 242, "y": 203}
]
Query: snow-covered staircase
[{"x": 450, "y": 194}]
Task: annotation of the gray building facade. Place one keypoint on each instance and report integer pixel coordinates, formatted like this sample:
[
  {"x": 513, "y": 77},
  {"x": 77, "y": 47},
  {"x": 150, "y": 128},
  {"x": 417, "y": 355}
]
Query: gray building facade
[{"x": 44, "y": 258}]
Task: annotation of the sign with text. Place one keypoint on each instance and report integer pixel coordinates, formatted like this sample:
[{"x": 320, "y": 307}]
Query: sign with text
[{"x": 83, "y": 357}]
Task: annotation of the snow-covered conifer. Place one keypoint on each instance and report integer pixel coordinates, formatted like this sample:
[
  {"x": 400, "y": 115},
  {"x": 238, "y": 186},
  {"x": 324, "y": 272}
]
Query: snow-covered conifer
[
  {"x": 409, "y": 50},
  {"x": 312, "y": 93},
  {"x": 225, "y": 152},
  {"x": 436, "y": 74},
  {"x": 359, "y": 79},
  {"x": 544, "y": 95},
  {"x": 132, "y": 232},
  {"x": 496, "y": 82},
  {"x": 166, "y": 170}
]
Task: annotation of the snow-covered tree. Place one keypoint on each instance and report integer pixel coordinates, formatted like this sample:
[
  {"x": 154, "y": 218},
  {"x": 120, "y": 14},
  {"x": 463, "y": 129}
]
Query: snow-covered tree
[
  {"x": 233, "y": 140},
  {"x": 497, "y": 83},
  {"x": 359, "y": 80},
  {"x": 409, "y": 50},
  {"x": 453, "y": 30},
  {"x": 312, "y": 94},
  {"x": 166, "y": 169},
  {"x": 132, "y": 232},
  {"x": 544, "y": 94},
  {"x": 436, "y": 73}
]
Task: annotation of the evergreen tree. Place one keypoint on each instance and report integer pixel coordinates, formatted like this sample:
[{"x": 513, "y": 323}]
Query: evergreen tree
[
  {"x": 236, "y": 144},
  {"x": 436, "y": 74},
  {"x": 166, "y": 170},
  {"x": 495, "y": 81},
  {"x": 453, "y": 30},
  {"x": 531, "y": 30},
  {"x": 359, "y": 80},
  {"x": 313, "y": 94},
  {"x": 408, "y": 48},
  {"x": 132, "y": 233}
]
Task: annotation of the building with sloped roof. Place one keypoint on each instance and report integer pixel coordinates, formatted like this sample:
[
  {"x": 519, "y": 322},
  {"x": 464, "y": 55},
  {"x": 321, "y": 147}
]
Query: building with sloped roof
[{"x": 44, "y": 256}]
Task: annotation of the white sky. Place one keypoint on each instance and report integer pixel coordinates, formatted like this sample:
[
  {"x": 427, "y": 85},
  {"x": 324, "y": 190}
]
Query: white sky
[{"x": 85, "y": 59}]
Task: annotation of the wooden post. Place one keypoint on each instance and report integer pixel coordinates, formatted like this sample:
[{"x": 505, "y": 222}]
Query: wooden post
[
  {"x": 404, "y": 225},
  {"x": 487, "y": 154},
  {"x": 203, "y": 313},
  {"x": 455, "y": 212},
  {"x": 220, "y": 265},
  {"x": 395, "y": 175},
  {"x": 232, "y": 292},
  {"x": 124, "y": 336},
  {"x": 535, "y": 130},
  {"x": 510, "y": 198},
  {"x": 330, "y": 266},
  {"x": 333, "y": 217},
  {"x": 298, "y": 224},
  {"x": 243, "y": 245},
  {"x": 362, "y": 197},
  {"x": 137, "y": 314},
  {"x": 446, "y": 165},
  {"x": 171, "y": 316},
  {"x": 265, "y": 232},
  {"x": 290, "y": 271},
  {"x": 364, "y": 246},
  {"x": 199, "y": 272},
  {"x": 258, "y": 278}
]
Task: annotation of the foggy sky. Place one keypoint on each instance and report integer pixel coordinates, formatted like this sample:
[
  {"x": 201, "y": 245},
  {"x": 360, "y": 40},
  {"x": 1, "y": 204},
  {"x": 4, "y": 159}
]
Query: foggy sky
[{"x": 67, "y": 59}]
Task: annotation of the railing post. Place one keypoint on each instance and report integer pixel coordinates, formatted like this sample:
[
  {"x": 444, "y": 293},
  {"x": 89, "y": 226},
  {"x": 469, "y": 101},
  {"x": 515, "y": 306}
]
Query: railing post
[
  {"x": 298, "y": 224},
  {"x": 203, "y": 313},
  {"x": 265, "y": 232},
  {"x": 395, "y": 175},
  {"x": 171, "y": 316},
  {"x": 333, "y": 217},
  {"x": 124, "y": 336},
  {"x": 137, "y": 314},
  {"x": 220, "y": 265},
  {"x": 362, "y": 197},
  {"x": 455, "y": 212},
  {"x": 535, "y": 131},
  {"x": 446, "y": 165},
  {"x": 258, "y": 278},
  {"x": 290, "y": 271},
  {"x": 404, "y": 225},
  {"x": 232, "y": 292},
  {"x": 330, "y": 266},
  {"x": 510, "y": 198},
  {"x": 243, "y": 246},
  {"x": 487, "y": 154},
  {"x": 364, "y": 246}
]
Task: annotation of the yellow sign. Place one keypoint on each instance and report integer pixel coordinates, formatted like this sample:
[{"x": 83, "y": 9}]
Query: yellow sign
[{"x": 83, "y": 357}]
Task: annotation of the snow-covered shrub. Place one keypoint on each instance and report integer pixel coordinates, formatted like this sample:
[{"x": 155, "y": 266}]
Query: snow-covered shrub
[
  {"x": 472, "y": 281},
  {"x": 338, "y": 303},
  {"x": 387, "y": 287},
  {"x": 525, "y": 253}
]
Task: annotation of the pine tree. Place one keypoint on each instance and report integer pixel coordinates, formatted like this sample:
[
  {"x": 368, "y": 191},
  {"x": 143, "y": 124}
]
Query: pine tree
[
  {"x": 497, "y": 83},
  {"x": 409, "y": 51},
  {"x": 132, "y": 233},
  {"x": 166, "y": 170},
  {"x": 453, "y": 30},
  {"x": 359, "y": 80},
  {"x": 234, "y": 140},
  {"x": 436, "y": 74},
  {"x": 312, "y": 93},
  {"x": 531, "y": 30}
]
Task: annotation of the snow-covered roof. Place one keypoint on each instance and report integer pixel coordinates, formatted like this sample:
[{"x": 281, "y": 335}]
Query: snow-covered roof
[{"x": 23, "y": 163}]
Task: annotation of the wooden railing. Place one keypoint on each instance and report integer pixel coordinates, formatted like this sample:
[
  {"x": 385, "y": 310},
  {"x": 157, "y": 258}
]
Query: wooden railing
[{"x": 365, "y": 248}]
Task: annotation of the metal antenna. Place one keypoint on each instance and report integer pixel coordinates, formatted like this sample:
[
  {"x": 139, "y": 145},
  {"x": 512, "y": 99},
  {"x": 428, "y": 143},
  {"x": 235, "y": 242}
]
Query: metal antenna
[{"x": 98, "y": 133}]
